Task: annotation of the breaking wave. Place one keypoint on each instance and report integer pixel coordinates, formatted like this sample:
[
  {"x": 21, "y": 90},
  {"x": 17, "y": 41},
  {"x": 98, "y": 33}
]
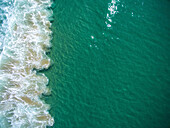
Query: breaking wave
[{"x": 25, "y": 39}]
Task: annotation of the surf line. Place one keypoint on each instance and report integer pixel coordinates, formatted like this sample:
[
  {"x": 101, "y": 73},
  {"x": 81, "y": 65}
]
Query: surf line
[{"x": 24, "y": 49}]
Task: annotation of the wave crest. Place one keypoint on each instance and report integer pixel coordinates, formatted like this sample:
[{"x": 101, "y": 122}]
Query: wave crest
[{"x": 24, "y": 49}]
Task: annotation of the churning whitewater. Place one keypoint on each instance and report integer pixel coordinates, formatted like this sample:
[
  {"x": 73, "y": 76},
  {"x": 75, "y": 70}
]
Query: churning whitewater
[{"x": 25, "y": 43}]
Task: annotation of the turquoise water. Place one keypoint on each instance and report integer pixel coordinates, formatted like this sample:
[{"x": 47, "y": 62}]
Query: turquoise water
[
  {"x": 110, "y": 63},
  {"x": 110, "y": 77}
]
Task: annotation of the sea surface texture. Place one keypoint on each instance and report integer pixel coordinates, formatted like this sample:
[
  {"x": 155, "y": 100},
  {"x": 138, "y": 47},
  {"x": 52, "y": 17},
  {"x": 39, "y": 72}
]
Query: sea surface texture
[
  {"x": 25, "y": 36},
  {"x": 110, "y": 64}
]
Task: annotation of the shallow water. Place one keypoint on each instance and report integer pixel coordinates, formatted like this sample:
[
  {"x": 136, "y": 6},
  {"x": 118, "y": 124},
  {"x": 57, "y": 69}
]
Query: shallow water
[
  {"x": 110, "y": 64},
  {"x": 25, "y": 39}
]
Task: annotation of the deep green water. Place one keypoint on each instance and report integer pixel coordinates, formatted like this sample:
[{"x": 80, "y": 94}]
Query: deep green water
[{"x": 119, "y": 79}]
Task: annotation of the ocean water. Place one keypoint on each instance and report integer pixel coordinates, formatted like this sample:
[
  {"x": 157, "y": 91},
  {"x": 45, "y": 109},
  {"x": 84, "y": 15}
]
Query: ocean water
[
  {"x": 25, "y": 37},
  {"x": 110, "y": 63}
]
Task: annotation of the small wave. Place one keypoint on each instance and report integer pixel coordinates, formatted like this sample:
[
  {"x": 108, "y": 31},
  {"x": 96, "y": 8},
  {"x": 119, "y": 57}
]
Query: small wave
[{"x": 25, "y": 43}]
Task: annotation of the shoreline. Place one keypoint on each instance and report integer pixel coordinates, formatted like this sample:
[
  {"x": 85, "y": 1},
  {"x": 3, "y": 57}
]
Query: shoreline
[{"x": 24, "y": 50}]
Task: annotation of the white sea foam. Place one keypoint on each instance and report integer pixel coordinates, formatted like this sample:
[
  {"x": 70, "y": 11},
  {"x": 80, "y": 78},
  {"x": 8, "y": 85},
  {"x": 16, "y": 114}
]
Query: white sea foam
[
  {"x": 113, "y": 9},
  {"x": 25, "y": 43},
  {"x": 5, "y": 5}
]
